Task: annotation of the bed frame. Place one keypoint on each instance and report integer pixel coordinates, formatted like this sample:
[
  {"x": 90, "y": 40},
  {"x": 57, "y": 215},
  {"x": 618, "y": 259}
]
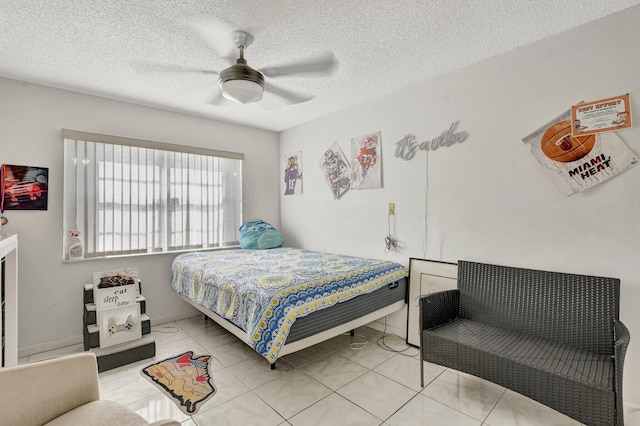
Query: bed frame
[{"x": 316, "y": 338}]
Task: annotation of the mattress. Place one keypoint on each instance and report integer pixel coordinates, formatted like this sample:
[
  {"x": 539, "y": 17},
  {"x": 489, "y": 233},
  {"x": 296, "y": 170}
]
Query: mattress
[
  {"x": 263, "y": 292},
  {"x": 342, "y": 313}
]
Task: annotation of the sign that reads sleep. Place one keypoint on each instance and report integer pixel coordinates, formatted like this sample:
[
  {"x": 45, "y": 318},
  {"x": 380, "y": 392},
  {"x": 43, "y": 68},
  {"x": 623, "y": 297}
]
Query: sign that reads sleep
[{"x": 113, "y": 297}]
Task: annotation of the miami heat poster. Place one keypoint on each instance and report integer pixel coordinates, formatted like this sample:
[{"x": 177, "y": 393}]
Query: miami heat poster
[
  {"x": 575, "y": 164},
  {"x": 365, "y": 162}
]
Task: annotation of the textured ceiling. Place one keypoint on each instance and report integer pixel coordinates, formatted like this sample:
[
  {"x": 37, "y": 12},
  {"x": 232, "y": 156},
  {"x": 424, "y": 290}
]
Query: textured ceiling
[{"x": 131, "y": 49}]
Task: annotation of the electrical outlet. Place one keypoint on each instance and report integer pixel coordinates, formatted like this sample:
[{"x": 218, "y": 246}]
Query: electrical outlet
[{"x": 392, "y": 208}]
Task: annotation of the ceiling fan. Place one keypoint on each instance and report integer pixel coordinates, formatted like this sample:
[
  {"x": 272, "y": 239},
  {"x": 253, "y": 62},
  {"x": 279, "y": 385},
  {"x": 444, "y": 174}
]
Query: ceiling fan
[
  {"x": 243, "y": 84},
  {"x": 240, "y": 82}
]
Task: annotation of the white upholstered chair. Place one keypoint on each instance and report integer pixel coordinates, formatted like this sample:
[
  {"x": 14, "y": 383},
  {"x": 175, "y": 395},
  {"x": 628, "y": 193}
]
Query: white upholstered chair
[{"x": 61, "y": 391}]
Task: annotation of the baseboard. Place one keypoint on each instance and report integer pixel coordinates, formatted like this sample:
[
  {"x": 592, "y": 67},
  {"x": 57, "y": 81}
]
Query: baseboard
[
  {"x": 174, "y": 317},
  {"x": 53, "y": 345},
  {"x": 77, "y": 340},
  {"x": 393, "y": 324},
  {"x": 380, "y": 326}
]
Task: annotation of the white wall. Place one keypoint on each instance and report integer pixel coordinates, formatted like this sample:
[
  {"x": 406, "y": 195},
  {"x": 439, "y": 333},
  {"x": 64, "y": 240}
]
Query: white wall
[
  {"x": 487, "y": 199},
  {"x": 50, "y": 293}
]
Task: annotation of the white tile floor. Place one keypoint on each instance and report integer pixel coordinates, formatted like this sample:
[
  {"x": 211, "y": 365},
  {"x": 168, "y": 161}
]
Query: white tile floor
[{"x": 331, "y": 383}]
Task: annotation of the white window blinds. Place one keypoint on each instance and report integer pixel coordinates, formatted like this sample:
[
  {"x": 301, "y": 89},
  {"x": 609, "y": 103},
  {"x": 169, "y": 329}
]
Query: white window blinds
[{"x": 128, "y": 196}]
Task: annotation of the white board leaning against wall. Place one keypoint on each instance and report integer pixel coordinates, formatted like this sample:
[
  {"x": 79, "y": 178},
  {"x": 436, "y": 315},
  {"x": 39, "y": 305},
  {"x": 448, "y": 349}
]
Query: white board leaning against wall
[{"x": 425, "y": 277}]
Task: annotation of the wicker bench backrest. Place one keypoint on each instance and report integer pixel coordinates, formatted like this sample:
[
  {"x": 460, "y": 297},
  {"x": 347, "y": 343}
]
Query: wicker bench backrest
[{"x": 571, "y": 309}]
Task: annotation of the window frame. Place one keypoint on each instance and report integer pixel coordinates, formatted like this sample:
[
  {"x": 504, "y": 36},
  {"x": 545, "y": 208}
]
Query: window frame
[{"x": 76, "y": 206}]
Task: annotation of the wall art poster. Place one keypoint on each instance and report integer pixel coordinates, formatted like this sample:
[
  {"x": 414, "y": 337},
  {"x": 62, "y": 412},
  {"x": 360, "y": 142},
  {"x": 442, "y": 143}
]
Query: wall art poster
[
  {"x": 24, "y": 187},
  {"x": 119, "y": 325},
  {"x": 365, "y": 162},
  {"x": 293, "y": 173},
  {"x": 604, "y": 115},
  {"x": 336, "y": 170},
  {"x": 578, "y": 163}
]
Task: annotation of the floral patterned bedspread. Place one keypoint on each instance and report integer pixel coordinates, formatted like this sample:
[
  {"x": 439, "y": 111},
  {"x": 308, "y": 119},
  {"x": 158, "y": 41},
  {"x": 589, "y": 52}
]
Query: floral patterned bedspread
[{"x": 264, "y": 291}]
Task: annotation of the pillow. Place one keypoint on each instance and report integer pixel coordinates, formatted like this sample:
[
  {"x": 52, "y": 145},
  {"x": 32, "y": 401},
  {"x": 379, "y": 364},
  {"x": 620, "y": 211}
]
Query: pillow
[{"x": 259, "y": 234}]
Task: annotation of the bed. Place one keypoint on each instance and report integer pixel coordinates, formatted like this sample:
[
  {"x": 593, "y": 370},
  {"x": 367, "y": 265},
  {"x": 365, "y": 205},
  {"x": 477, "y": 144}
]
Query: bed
[{"x": 283, "y": 300}]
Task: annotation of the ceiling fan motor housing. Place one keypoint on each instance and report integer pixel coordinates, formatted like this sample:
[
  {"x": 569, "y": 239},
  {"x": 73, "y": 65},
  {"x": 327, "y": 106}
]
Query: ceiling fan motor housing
[
  {"x": 240, "y": 82},
  {"x": 241, "y": 71}
]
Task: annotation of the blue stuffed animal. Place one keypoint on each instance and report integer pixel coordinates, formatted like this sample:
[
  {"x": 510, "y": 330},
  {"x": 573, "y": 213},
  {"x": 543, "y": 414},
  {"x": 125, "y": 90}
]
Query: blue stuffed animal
[{"x": 259, "y": 234}]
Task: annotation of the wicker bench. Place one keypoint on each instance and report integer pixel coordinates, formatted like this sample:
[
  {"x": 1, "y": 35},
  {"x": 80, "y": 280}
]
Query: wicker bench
[{"x": 551, "y": 336}]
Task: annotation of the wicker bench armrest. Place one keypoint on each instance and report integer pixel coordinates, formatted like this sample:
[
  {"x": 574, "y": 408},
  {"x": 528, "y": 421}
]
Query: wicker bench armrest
[
  {"x": 438, "y": 308},
  {"x": 622, "y": 338}
]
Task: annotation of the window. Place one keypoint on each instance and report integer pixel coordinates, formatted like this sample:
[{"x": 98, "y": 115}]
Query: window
[{"x": 129, "y": 196}]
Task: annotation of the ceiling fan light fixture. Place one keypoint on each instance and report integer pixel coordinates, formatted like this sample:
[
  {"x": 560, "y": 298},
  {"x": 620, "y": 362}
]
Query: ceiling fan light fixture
[
  {"x": 241, "y": 83},
  {"x": 241, "y": 91}
]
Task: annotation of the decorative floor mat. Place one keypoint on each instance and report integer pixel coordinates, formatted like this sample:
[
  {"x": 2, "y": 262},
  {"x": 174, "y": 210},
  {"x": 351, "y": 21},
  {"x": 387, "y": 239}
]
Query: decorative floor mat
[{"x": 185, "y": 379}]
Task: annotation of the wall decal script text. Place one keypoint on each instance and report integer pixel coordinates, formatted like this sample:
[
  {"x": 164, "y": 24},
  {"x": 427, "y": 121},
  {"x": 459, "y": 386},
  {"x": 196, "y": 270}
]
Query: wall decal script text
[{"x": 407, "y": 147}]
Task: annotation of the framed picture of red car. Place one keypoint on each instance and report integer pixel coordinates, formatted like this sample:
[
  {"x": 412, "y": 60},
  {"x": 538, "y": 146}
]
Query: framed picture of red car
[{"x": 24, "y": 187}]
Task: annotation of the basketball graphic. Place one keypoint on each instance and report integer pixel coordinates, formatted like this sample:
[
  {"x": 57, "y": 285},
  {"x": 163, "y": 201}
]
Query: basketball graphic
[{"x": 558, "y": 144}]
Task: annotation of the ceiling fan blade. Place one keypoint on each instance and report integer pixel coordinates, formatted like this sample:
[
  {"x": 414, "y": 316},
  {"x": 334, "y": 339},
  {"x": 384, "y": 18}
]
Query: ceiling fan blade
[
  {"x": 287, "y": 96},
  {"x": 324, "y": 64},
  {"x": 143, "y": 66},
  {"x": 217, "y": 33}
]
